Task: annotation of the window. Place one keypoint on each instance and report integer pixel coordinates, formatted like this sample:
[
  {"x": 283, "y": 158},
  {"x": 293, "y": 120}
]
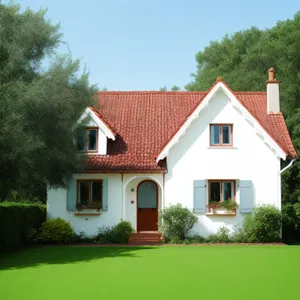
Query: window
[
  {"x": 221, "y": 190},
  {"x": 89, "y": 193},
  {"x": 221, "y": 134},
  {"x": 87, "y": 140}
]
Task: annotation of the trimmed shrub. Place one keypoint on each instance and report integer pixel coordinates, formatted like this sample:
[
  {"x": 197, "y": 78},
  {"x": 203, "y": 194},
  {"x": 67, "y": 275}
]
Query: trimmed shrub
[
  {"x": 263, "y": 226},
  {"x": 17, "y": 220},
  {"x": 56, "y": 231},
  {"x": 116, "y": 234},
  {"x": 121, "y": 232},
  {"x": 176, "y": 221}
]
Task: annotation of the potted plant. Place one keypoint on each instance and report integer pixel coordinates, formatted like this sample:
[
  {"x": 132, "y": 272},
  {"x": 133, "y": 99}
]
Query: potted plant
[
  {"x": 212, "y": 205},
  {"x": 230, "y": 205},
  {"x": 80, "y": 206}
]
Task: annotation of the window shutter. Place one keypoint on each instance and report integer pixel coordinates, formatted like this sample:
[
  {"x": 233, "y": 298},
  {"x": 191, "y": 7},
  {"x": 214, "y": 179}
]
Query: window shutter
[
  {"x": 105, "y": 195},
  {"x": 199, "y": 196},
  {"x": 246, "y": 196},
  {"x": 71, "y": 194}
]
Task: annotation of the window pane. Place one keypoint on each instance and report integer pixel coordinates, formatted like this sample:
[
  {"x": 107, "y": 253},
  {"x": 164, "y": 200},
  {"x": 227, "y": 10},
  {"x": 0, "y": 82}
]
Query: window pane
[
  {"x": 92, "y": 139},
  {"x": 147, "y": 195},
  {"x": 81, "y": 140},
  {"x": 215, "y": 134},
  {"x": 96, "y": 191},
  {"x": 214, "y": 191},
  {"x": 226, "y": 134},
  {"x": 227, "y": 191},
  {"x": 83, "y": 193}
]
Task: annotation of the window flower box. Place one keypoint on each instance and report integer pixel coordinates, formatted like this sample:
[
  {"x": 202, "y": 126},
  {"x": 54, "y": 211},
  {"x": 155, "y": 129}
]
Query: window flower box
[{"x": 224, "y": 207}]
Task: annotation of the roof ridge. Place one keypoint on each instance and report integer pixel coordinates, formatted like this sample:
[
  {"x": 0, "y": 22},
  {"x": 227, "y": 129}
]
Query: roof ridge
[
  {"x": 174, "y": 92},
  {"x": 151, "y": 92},
  {"x": 251, "y": 92}
]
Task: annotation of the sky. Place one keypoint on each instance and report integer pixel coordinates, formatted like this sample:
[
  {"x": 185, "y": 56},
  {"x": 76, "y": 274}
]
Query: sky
[{"x": 148, "y": 44}]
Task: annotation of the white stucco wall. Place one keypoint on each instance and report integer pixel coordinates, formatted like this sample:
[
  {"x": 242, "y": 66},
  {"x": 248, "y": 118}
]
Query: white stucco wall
[
  {"x": 193, "y": 159},
  {"x": 119, "y": 207},
  {"x": 57, "y": 204}
]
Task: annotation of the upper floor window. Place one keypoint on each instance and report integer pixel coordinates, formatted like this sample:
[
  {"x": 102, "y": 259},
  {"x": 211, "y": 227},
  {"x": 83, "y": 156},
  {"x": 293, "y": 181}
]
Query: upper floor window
[
  {"x": 87, "y": 140},
  {"x": 221, "y": 134}
]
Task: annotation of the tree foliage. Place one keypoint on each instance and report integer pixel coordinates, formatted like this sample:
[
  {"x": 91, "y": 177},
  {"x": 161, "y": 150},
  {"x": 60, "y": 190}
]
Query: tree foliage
[
  {"x": 39, "y": 106},
  {"x": 174, "y": 88},
  {"x": 242, "y": 59}
]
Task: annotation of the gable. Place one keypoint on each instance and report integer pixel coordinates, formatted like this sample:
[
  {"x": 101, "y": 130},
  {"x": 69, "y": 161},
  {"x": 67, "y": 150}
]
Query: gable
[
  {"x": 194, "y": 154},
  {"x": 235, "y": 102}
]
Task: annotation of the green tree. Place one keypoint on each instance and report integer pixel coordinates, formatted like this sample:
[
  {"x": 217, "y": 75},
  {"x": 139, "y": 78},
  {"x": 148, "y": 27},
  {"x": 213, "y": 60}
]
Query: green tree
[
  {"x": 242, "y": 60},
  {"x": 163, "y": 89},
  {"x": 39, "y": 108},
  {"x": 175, "y": 88}
]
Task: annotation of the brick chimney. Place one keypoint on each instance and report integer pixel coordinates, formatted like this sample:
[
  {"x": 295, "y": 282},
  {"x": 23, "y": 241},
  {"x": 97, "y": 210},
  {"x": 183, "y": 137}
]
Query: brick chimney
[{"x": 273, "y": 104}]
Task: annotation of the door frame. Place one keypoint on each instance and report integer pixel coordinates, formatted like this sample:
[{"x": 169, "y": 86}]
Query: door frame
[{"x": 137, "y": 199}]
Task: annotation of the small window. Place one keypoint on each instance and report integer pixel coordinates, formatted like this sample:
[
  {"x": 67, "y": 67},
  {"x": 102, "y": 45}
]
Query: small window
[
  {"x": 89, "y": 193},
  {"x": 220, "y": 135},
  {"x": 87, "y": 140},
  {"x": 92, "y": 139},
  {"x": 221, "y": 190}
]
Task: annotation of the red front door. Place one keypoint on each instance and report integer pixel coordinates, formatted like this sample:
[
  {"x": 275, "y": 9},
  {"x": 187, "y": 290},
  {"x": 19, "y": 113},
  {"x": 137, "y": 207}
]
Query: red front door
[{"x": 147, "y": 206}]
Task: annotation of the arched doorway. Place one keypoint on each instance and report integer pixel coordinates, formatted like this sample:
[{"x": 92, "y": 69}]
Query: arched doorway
[{"x": 147, "y": 206}]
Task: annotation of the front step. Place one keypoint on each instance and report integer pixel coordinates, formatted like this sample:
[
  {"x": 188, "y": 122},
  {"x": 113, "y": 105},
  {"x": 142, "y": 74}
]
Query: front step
[{"x": 145, "y": 238}]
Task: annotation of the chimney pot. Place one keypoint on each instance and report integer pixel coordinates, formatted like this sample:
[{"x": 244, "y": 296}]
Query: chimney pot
[{"x": 271, "y": 74}]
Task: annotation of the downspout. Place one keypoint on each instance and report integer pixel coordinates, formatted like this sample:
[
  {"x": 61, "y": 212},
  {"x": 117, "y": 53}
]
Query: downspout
[
  {"x": 122, "y": 197},
  {"x": 279, "y": 181},
  {"x": 279, "y": 185},
  {"x": 163, "y": 192},
  {"x": 288, "y": 166}
]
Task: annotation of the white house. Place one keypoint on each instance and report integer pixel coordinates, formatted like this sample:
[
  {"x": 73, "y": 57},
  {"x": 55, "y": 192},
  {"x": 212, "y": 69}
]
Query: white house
[{"x": 148, "y": 150}]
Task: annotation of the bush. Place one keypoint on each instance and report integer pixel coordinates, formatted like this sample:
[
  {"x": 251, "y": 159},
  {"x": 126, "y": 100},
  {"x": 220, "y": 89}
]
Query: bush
[
  {"x": 196, "y": 239},
  {"x": 176, "y": 221},
  {"x": 17, "y": 221},
  {"x": 263, "y": 226},
  {"x": 56, "y": 231},
  {"x": 222, "y": 236},
  {"x": 82, "y": 237},
  {"x": 104, "y": 235},
  {"x": 121, "y": 232},
  {"x": 116, "y": 234}
]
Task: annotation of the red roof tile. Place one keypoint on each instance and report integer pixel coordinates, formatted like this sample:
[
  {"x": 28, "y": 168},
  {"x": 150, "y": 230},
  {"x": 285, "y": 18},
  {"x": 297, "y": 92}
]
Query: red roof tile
[{"x": 145, "y": 121}]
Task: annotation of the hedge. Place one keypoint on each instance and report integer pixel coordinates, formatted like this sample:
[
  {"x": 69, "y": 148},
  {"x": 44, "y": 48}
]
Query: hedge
[{"x": 16, "y": 221}]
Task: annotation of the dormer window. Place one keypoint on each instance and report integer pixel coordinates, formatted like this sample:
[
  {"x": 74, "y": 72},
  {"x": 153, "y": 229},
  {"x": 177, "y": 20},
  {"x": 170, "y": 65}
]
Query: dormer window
[{"x": 87, "y": 140}]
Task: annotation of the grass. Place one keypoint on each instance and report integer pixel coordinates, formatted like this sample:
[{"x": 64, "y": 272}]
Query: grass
[{"x": 183, "y": 272}]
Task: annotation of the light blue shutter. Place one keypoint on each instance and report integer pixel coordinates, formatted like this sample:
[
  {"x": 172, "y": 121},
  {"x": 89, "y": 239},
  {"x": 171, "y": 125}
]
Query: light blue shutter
[
  {"x": 199, "y": 196},
  {"x": 105, "y": 195},
  {"x": 246, "y": 196},
  {"x": 71, "y": 194}
]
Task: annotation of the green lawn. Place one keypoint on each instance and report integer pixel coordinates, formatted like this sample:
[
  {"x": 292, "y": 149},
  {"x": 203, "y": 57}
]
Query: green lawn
[{"x": 183, "y": 272}]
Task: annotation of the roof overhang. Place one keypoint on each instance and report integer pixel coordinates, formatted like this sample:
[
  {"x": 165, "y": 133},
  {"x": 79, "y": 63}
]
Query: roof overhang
[{"x": 221, "y": 86}]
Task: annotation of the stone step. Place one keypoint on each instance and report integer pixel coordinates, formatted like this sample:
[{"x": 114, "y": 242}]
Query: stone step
[{"x": 145, "y": 238}]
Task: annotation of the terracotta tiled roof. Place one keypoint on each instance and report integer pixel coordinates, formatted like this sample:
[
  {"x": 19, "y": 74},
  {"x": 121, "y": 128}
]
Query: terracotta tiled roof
[{"x": 145, "y": 121}]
